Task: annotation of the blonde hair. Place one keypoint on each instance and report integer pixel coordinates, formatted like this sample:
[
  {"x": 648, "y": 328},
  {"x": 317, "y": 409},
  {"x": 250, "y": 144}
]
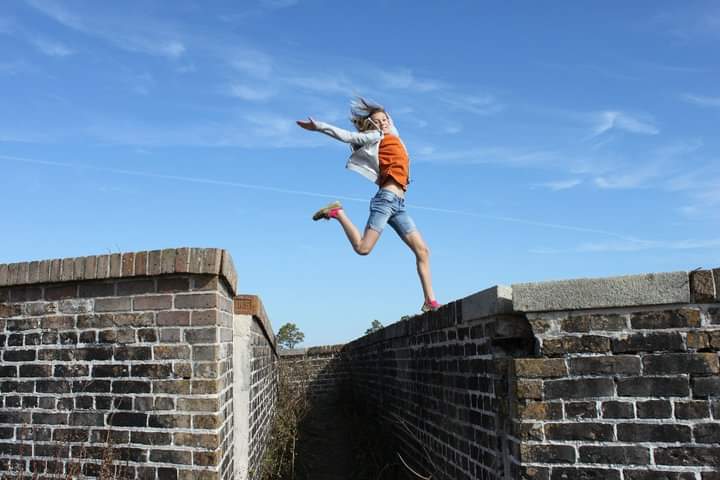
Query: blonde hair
[{"x": 360, "y": 112}]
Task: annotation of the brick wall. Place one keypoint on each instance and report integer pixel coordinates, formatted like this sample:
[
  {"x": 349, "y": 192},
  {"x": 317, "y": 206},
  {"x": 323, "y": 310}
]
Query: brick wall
[
  {"x": 322, "y": 372},
  {"x": 630, "y": 392},
  {"x": 118, "y": 361},
  {"x": 436, "y": 381},
  {"x": 613, "y": 379}
]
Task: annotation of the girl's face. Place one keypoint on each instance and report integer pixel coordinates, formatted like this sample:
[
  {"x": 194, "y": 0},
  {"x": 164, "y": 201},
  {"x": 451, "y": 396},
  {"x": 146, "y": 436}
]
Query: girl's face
[{"x": 382, "y": 121}]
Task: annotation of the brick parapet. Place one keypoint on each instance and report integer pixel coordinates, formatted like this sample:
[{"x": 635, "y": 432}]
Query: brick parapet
[
  {"x": 142, "y": 360},
  {"x": 150, "y": 263}
]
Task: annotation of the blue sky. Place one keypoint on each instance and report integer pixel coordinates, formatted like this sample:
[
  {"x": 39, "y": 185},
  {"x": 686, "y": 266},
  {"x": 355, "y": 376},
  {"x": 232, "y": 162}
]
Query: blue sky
[{"x": 547, "y": 141}]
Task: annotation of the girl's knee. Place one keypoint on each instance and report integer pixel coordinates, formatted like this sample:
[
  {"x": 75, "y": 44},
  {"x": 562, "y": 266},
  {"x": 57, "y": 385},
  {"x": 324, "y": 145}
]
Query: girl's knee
[
  {"x": 423, "y": 252},
  {"x": 363, "y": 250}
]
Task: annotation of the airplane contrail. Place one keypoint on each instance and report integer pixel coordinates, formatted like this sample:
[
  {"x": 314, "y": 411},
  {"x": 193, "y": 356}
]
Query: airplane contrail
[{"x": 268, "y": 188}]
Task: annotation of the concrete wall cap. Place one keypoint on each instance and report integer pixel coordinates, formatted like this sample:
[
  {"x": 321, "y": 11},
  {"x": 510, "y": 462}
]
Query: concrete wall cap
[
  {"x": 168, "y": 261},
  {"x": 586, "y": 293},
  {"x": 491, "y": 301}
]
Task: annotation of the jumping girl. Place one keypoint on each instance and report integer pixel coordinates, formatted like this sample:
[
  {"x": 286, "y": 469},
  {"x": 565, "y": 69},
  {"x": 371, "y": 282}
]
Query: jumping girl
[{"x": 380, "y": 156}]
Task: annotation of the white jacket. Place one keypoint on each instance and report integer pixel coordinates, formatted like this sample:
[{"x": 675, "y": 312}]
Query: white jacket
[{"x": 364, "y": 158}]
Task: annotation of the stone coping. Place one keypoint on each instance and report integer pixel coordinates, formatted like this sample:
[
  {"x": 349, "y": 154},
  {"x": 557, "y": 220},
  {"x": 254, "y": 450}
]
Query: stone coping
[
  {"x": 253, "y": 306},
  {"x": 588, "y": 293},
  {"x": 213, "y": 261}
]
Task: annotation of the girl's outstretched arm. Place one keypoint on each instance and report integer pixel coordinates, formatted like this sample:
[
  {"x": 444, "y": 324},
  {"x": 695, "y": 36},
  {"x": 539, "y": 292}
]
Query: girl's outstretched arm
[{"x": 355, "y": 138}]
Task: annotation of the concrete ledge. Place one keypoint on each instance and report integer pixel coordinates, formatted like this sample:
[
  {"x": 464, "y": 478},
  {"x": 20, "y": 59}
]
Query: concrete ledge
[
  {"x": 252, "y": 305},
  {"x": 213, "y": 261},
  {"x": 491, "y": 301},
  {"x": 626, "y": 291}
]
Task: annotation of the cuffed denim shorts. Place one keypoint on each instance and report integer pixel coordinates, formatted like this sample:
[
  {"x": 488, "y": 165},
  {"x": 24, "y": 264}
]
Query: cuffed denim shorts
[{"x": 386, "y": 207}]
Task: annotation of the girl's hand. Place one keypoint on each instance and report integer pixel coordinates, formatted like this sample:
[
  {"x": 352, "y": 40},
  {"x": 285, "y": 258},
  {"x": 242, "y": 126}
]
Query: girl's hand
[{"x": 308, "y": 124}]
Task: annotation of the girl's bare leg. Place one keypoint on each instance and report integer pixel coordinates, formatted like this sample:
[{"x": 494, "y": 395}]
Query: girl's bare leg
[
  {"x": 422, "y": 259},
  {"x": 361, "y": 244}
]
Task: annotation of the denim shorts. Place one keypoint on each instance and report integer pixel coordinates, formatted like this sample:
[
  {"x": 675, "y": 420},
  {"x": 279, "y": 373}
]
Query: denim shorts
[{"x": 386, "y": 207}]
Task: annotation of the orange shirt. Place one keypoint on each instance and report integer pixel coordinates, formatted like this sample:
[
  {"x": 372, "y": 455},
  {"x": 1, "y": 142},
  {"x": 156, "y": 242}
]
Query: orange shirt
[{"x": 394, "y": 162}]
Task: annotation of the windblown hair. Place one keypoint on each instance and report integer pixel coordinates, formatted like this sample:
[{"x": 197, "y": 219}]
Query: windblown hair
[{"x": 360, "y": 111}]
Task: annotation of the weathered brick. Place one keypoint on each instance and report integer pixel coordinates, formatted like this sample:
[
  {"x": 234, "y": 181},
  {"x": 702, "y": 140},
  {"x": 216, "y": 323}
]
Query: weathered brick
[
  {"x": 173, "y": 284},
  {"x": 136, "y": 286},
  {"x": 201, "y": 318},
  {"x": 152, "y": 370},
  {"x": 692, "y": 409},
  {"x": 133, "y": 319},
  {"x": 170, "y": 335},
  {"x": 96, "y": 289},
  {"x": 128, "y": 419},
  {"x": 540, "y": 367},
  {"x": 169, "y": 421},
  {"x": 579, "y": 388},
  {"x": 152, "y": 302},
  {"x": 547, "y": 453},
  {"x": 707, "y": 432},
  {"x": 671, "y": 363},
  {"x": 37, "y": 370},
  {"x": 201, "y": 335},
  {"x": 151, "y": 438},
  {"x": 697, "y": 340},
  {"x": 115, "y": 266},
  {"x": 196, "y": 301},
  {"x": 706, "y": 387},
  {"x": 613, "y": 365},
  {"x": 198, "y": 404},
  {"x": 686, "y": 456},
  {"x": 117, "y": 304},
  {"x": 25, "y": 294},
  {"x": 10, "y": 310},
  {"x": 654, "y": 409},
  {"x": 680, "y": 318},
  {"x": 61, "y": 292},
  {"x": 165, "y": 352},
  {"x": 541, "y": 411},
  {"x": 209, "y": 441},
  {"x": 529, "y": 389},
  {"x": 573, "y": 473},
  {"x": 649, "y": 342},
  {"x": 657, "y": 475},
  {"x": 154, "y": 264},
  {"x": 207, "y": 457},
  {"x": 127, "y": 264},
  {"x": 594, "y": 432},
  {"x": 130, "y": 352},
  {"x": 179, "y": 457},
  {"x": 173, "y": 318},
  {"x": 677, "y": 386},
  {"x": 649, "y": 432},
  {"x": 580, "y": 410},
  {"x": 702, "y": 287}
]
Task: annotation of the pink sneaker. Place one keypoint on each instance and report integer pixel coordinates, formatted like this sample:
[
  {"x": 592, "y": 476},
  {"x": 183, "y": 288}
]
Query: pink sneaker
[
  {"x": 430, "y": 306},
  {"x": 328, "y": 211}
]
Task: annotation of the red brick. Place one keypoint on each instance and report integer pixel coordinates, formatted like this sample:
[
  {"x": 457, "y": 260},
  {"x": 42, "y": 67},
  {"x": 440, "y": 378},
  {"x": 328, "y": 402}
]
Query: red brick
[{"x": 152, "y": 302}]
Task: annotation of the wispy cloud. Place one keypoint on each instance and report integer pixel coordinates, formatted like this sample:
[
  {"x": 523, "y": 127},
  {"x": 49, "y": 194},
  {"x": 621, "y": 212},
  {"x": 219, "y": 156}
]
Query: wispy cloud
[
  {"x": 407, "y": 80},
  {"x": 248, "y": 93},
  {"x": 125, "y": 32},
  {"x": 701, "y": 100},
  {"x": 482, "y": 155},
  {"x": 250, "y": 61},
  {"x": 477, "y": 104},
  {"x": 51, "y": 48},
  {"x": 561, "y": 184},
  {"x": 616, "y": 120}
]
